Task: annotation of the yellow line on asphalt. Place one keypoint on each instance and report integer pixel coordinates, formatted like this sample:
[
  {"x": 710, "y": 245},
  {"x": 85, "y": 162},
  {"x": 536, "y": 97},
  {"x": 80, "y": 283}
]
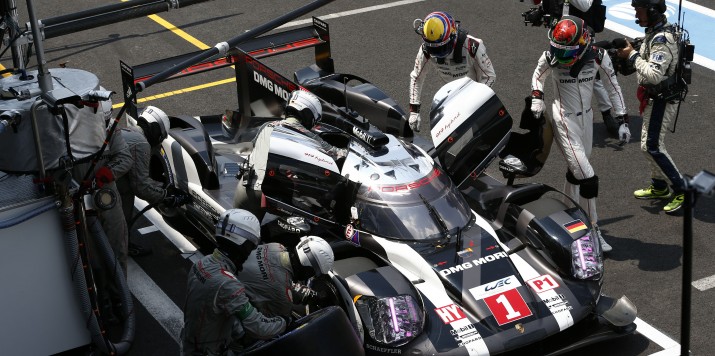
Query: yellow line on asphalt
[
  {"x": 195, "y": 42},
  {"x": 179, "y": 32},
  {"x": 180, "y": 91}
]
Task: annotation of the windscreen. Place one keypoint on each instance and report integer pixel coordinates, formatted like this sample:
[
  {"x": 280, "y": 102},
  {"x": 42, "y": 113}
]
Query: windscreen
[{"x": 428, "y": 208}]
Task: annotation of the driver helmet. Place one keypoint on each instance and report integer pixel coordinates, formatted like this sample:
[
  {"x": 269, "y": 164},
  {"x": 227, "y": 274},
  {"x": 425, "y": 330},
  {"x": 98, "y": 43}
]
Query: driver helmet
[
  {"x": 656, "y": 9},
  {"x": 316, "y": 253},
  {"x": 236, "y": 227},
  {"x": 304, "y": 106},
  {"x": 155, "y": 124},
  {"x": 569, "y": 40},
  {"x": 439, "y": 33}
]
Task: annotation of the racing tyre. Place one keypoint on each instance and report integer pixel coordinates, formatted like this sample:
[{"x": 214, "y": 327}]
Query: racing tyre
[{"x": 326, "y": 332}]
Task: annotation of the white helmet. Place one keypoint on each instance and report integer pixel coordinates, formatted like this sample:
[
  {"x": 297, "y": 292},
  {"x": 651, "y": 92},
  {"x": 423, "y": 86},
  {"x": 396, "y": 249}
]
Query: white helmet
[
  {"x": 155, "y": 124},
  {"x": 237, "y": 226},
  {"x": 305, "y": 106},
  {"x": 315, "y": 252}
]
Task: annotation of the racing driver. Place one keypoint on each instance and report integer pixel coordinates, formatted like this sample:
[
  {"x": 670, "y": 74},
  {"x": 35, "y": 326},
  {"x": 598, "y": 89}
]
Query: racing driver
[
  {"x": 575, "y": 62},
  {"x": 455, "y": 55}
]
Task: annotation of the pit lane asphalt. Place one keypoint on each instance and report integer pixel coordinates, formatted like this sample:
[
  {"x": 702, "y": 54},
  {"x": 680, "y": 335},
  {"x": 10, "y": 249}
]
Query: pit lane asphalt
[{"x": 646, "y": 264}]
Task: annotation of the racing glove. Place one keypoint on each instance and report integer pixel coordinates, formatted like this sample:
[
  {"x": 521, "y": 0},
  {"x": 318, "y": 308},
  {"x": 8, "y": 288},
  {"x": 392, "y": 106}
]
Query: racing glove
[
  {"x": 103, "y": 176},
  {"x": 415, "y": 120},
  {"x": 176, "y": 199},
  {"x": 537, "y": 103},
  {"x": 624, "y": 133}
]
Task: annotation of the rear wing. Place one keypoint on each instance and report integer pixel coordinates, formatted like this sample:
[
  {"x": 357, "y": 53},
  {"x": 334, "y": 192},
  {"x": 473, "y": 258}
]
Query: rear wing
[{"x": 245, "y": 58}]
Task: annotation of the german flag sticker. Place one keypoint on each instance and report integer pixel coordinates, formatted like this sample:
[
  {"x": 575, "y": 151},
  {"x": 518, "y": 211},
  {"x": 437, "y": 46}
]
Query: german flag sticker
[{"x": 574, "y": 226}]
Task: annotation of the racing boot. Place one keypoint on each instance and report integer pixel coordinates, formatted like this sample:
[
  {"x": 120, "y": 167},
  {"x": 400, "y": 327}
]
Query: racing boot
[
  {"x": 611, "y": 122},
  {"x": 652, "y": 193},
  {"x": 674, "y": 204},
  {"x": 605, "y": 247}
]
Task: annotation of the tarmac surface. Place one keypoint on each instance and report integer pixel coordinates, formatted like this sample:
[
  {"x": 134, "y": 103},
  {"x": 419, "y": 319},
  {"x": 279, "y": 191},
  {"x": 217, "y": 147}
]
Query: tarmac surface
[{"x": 375, "y": 40}]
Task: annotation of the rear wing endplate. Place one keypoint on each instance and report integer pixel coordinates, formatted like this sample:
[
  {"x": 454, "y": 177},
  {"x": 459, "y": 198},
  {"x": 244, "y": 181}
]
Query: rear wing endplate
[{"x": 316, "y": 35}]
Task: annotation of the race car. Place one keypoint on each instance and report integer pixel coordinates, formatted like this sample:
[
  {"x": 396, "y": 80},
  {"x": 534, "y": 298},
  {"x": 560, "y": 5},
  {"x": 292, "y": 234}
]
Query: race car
[{"x": 432, "y": 255}]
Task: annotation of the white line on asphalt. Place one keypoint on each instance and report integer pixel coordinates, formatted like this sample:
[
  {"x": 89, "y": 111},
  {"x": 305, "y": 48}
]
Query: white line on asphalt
[
  {"x": 187, "y": 249},
  {"x": 704, "y": 284},
  {"x": 351, "y": 12},
  {"x": 656, "y": 336},
  {"x": 148, "y": 229},
  {"x": 156, "y": 302},
  {"x": 672, "y": 351}
]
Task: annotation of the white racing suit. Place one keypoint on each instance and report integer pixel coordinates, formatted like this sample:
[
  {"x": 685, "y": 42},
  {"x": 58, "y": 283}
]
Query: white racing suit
[
  {"x": 654, "y": 64},
  {"x": 573, "y": 120},
  {"x": 218, "y": 313},
  {"x": 578, "y": 8},
  {"x": 137, "y": 182},
  {"x": 474, "y": 63}
]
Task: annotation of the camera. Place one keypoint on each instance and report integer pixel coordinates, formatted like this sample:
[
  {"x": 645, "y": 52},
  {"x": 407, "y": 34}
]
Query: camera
[{"x": 536, "y": 16}]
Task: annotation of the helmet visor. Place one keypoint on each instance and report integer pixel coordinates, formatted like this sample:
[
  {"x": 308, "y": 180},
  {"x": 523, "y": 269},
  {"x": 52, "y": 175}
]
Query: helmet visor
[
  {"x": 439, "y": 50},
  {"x": 564, "y": 54}
]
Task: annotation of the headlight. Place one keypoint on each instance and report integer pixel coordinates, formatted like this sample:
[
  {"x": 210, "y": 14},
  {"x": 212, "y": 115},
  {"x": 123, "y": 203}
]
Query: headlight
[
  {"x": 391, "y": 320},
  {"x": 586, "y": 257}
]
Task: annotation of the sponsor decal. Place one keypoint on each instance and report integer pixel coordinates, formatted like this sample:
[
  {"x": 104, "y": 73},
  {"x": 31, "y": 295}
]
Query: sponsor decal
[
  {"x": 476, "y": 262},
  {"x": 658, "y": 57},
  {"x": 473, "y": 46},
  {"x": 203, "y": 206},
  {"x": 352, "y": 235},
  {"x": 450, "y": 313},
  {"x": 394, "y": 188},
  {"x": 574, "y": 226},
  {"x": 503, "y": 299},
  {"x": 542, "y": 283},
  {"x": 317, "y": 158},
  {"x": 228, "y": 274},
  {"x": 384, "y": 350},
  {"x": 441, "y": 263},
  {"x": 557, "y": 304},
  {"x": 288, "y": 227},
  {"x": 446, "y": 126},
  {"x": 466, "y": 253}
]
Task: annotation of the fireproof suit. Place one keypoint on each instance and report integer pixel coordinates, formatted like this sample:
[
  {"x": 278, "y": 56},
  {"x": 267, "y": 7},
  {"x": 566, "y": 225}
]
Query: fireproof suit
[
  {"x": 117, "y": 158},
  {"x": 268, "y": 277},
  {"x": 573, "y": 116},
  {"x": 477, "y": 66},
  {"x": 248, "y": 192},
  {"x": 218, "y": 313},
  {"x": 137, "y": 181},
  {"x": 655, "y": 62},
  {"x": 579, "y": 8}
]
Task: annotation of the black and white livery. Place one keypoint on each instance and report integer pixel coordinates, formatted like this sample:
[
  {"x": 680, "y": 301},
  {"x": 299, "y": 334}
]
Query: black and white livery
[{"x": 432, "y": 256}]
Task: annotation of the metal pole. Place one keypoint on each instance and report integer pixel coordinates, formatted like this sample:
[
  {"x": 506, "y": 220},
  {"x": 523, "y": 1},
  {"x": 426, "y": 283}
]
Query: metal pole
[
  {"x": 18, "y": 51},
  {"x": 223, "y": 47},
  {"x": 687, "y": 268},
  {"x": 43, "y": 75}
]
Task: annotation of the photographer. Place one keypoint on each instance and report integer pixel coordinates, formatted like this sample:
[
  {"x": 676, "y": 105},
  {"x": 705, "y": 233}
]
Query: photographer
[{"x": 655, "y": 66}]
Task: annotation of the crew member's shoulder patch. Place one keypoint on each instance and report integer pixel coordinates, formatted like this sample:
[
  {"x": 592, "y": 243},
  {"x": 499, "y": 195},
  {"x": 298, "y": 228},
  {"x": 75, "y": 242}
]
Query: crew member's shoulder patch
[
  {"x": 658, "y": 57},
  {"x": 659, "y": 39},
  {"x": 472, "y": 46}
]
